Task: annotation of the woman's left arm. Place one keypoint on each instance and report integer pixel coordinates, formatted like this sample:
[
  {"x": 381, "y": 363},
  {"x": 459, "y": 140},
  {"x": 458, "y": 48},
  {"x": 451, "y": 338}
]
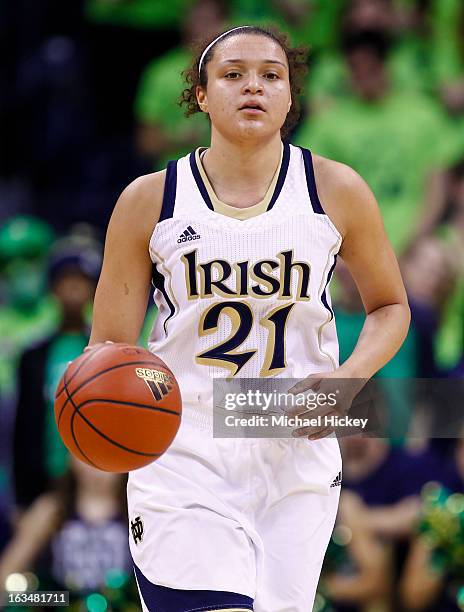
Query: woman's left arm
[{"x": 365, "y": 249}]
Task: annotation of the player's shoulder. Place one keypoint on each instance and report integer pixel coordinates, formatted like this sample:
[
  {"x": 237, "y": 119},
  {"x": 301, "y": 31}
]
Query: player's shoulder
[
  {"x": 336, "y": 178},
  {"x": 344, "y": 194},
  {"x": 139, "y": 206},
  {"x": 144, "y": 191}
]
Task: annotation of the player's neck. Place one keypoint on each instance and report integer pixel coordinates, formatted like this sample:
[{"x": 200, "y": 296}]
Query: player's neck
[{"x": 238, "y": 169}]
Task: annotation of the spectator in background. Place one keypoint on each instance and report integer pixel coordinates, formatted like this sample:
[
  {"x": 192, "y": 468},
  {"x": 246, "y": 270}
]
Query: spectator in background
[
  {"x": 329, "y": 79},
  {"x": 431, "y": 272},
  {"x": 39, "y": 455},
  {"x": 427, "y": 53},
  {"x": 387, "y": 479},
  {"x": 453, "y": 326},
  {"x": 308, "y": 22},
  {"x": 440, "y": 245},
  {"x": 357, "y": 573},
  {"x": 163, "y": 132},
  {"x": 27, "y": 313},
  {"x": 350, "y": 318},
  {"x": 393, "y": 139},
  {"x": 433, "y": 575},
  {"x": 456, "y": 200},
  {"x": 74, "y": 537}
]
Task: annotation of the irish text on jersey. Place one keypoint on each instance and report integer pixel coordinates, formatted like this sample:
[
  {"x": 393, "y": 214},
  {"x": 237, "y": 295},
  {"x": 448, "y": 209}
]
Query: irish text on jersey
[{"x": 260, "y": 279}]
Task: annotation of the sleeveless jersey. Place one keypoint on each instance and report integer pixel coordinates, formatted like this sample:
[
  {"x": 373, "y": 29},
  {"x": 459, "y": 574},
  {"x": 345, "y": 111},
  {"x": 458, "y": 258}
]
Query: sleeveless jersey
[{"x": 243, "y": 297}]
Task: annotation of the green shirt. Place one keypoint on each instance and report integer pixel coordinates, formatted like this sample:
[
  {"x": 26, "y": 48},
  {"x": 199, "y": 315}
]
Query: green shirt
[
  {"x": 395, "y": 375},
  {"x": 18, "y": 330},
  {"x": 145, "y": 14},
  {"x": 315, "y": 21},
  {"x": 426, "y": 62},
  {"x": 156, "y": 102},
  {"x": 65, "y": 348},
  {"x": 393, "y": 144},
  {"x": 415, "y": 63},
  {"x": 349, "y": 325}
]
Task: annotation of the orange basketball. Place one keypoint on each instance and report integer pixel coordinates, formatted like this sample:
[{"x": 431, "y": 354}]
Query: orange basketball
[{"x": 118, "y": 407}]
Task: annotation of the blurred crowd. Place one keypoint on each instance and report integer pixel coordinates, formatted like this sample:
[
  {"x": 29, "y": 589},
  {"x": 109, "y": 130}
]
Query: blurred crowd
[{"x": 88, "y": 102}]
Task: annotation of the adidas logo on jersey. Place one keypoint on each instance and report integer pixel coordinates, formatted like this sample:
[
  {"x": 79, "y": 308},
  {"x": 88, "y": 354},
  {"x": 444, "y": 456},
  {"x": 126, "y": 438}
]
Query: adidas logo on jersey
[
  {"x": 337, "y": 480},
  {"x": 188, "y": 234}
]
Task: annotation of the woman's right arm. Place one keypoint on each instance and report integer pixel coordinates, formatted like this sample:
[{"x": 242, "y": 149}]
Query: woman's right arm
[
  {"x": 421, "y": 583},
  {"x": 34, "y": 530},
  {"x": 123, "y": 288}
]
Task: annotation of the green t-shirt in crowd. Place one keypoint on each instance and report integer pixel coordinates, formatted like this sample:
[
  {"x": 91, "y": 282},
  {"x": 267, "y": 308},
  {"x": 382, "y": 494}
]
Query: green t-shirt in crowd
[
  {"x": 143, "y": 14},
  {"x": 18, "y": 330},
  {"x": 415, "y": 63},
  {"x": 393, "y": 144},
  {"x": 349, "y": 326},
  {"x": 426, "y": 62},
  {"x": 395, "y": 375},
  {"x": 449, "y": 340},
  {"x": 65, "y": 348},
  {"x": 314, "y": 23},
  {"x": 156, "y": 102}
]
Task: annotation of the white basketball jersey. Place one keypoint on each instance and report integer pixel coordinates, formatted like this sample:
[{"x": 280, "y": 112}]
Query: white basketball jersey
[{"x": 243, "y": 297}]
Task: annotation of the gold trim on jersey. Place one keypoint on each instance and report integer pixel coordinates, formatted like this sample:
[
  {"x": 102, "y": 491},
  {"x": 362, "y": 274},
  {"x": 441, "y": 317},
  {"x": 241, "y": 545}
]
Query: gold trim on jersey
[
  {"x": 332, "y": 251},
  {"x": 233, "y": 211}
]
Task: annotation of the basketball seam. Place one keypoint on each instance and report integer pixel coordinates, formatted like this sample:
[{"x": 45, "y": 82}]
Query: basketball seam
[
  {"x": 107, "y": 438},
  {"x": 134, "y": 404},
  {"x": 72, "y": 429},
  {"x": 81, "y": 365}
]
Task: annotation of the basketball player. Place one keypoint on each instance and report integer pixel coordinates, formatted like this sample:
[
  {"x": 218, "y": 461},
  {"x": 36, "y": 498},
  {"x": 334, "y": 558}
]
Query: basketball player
[{"x": 241, "y": 239}]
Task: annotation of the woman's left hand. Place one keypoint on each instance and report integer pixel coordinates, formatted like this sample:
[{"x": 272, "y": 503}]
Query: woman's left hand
[{"x": 328, "y": 394}]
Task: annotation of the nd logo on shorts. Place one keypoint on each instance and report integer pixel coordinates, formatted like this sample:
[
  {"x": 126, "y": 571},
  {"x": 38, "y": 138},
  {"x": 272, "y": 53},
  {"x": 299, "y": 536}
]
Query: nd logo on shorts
[{"x": 137, "y": 529}]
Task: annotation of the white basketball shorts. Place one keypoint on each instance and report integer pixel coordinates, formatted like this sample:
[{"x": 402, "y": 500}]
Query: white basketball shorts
[{"x": 249, "y": 516}]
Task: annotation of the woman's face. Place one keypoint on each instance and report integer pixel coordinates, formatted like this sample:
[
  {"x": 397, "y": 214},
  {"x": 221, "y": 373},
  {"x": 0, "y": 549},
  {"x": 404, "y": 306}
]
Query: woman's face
[
  {"x": 248, "y": 92},
  {"x": 91, "y": 478}
]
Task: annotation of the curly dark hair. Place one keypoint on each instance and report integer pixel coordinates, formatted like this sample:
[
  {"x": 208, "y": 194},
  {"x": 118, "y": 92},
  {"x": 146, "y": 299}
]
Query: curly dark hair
[{"x": 297, "y": 58}]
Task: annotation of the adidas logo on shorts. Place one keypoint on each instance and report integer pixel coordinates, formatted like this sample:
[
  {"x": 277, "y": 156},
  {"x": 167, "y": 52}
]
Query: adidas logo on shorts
[
  {"x": 188, "y": 234},
  {"x": 337, "y": 480}
]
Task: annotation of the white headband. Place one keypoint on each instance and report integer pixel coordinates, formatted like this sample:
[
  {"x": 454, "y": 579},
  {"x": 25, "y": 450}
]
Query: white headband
[{"x": 215, "y": 41}]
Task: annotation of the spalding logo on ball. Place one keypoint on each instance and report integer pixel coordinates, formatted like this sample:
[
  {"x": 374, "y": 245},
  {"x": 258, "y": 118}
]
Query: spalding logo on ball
[{"x": 118, "y": 407}]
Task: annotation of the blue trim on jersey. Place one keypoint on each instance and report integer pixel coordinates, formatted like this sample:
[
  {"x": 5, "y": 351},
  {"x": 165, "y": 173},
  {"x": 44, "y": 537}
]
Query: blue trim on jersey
[
  {"x": 311, "y": 182},
  {"x": 162, "y": 599},
  {"x": 282, "y": 175},
  {"x": 157, "y": 280},
  {"x": 199, "y": 181},
  {"x": 324, "y": 293},
  {"x": 169, "y": 195}
]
